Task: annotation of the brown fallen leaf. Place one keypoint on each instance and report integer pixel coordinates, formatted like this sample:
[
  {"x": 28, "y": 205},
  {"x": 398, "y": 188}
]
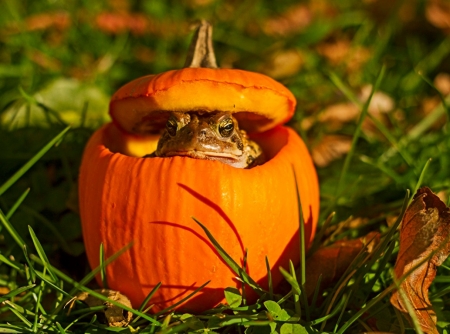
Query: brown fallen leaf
[
  {"x": 331, "y": 262},
  {"x": 42, "y": 21},
  {"x": 116, "y": 23},
  {"x": 424, "y": 243},
  {"x": 437, "y": 13},
  {"x": 114, "y": 315},
  {"x": 442, "y": 83},
  {"x": 283, "y": 64},
  {"x": 294, "y": 19},
  {"x": 330, "y": 148}
]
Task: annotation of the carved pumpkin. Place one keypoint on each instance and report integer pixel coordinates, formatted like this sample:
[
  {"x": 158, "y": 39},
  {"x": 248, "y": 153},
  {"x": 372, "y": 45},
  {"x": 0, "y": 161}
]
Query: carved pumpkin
[{"x": 150, "y": 201}]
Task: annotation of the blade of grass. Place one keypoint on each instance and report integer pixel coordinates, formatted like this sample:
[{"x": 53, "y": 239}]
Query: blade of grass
[
  {"x": 80, "y": 287},
  {"x": 410, "y": 309},
  {"x": 420, "y": 180},
  {"x": 149, "y": 296},
  {"x": 11, "y": 230},
  {"x": 38, "y": 305},
  {"x": 51, "y": 284},
  {"x": 5, "y": 186},
  {"x": 48, "y": 224},
  {"x": 16, "y": 292},
  {"x": 269, "y": 279},
  {"x": 338, "y": 307},
  {"x": 86, "y": 279},
  {"x": 10, "y": 263},
  {"x": 103, "y": 267},
  {"x": 229, "y": 261},
  {"x": 21, "y": 317},
  {"x": 297, "y": 304},
  {"x": 394, "y": 143},
  {"x": 41, "y": 253},
  {"x": 442, "y": 97},
  {"x": 17, "y": 204},
  {"x": 61, "y": 330},
  {"x": 316, "y": 292},
  {"x": 356, "y": 135},
  {"x": 379, "y": 165},
  {"x": 344, "y": 88},
  {"x": 291, "y": 280},
  {"x": 369, "y": 305},
  {"x": 244, "y": 267},
  {"x": 397, "y": 283},
  {"x": 182, "y": 300},
  {"x": 319, "y": 235},
  {"x": 346, "y": 298},
  {"x": 425, "y": 124},
  {"x": 301, "y": 231}
]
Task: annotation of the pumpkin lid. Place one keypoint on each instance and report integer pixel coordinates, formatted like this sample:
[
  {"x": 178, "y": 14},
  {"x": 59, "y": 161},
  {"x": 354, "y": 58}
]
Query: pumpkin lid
[{"x": 257, "y": 101}]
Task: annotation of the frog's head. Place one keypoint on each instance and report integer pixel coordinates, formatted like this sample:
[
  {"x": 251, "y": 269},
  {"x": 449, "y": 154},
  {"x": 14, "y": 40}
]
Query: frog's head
[{"x": 212, "y": 136}]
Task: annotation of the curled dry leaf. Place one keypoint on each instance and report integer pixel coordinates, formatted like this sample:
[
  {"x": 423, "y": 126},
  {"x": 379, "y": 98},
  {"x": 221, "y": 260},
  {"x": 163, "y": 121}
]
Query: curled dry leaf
[
  {"x": 114, "y": 315},
  {"x": 424, "y": 245},
  {"x": 330, "y": 148},
  {"x": 331, "y": 262}
]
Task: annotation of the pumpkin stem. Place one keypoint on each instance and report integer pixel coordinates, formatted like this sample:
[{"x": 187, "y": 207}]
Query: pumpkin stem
[{"x": 201, "y": 52}]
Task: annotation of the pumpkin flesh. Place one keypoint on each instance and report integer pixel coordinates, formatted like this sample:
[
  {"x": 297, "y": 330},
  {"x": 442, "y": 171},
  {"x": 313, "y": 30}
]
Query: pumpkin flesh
[{"x": 150, "y": 202}]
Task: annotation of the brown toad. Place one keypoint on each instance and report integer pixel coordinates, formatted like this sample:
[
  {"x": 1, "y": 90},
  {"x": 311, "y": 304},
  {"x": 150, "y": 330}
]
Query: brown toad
[{"x": 211, "y": 136}]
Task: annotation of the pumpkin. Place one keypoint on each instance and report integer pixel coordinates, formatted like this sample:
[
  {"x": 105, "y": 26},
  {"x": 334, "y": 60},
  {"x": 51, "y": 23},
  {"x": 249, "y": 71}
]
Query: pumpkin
[{"x": 150, "y": 202}]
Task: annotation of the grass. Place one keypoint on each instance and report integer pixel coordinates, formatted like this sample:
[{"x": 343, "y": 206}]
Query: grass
[{"x": 59, "y": 65}]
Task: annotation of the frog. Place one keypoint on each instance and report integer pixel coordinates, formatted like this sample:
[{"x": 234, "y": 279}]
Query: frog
[{"x": 210, "y": 136}]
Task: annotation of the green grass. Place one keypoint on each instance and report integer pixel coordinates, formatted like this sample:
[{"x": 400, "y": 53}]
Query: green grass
[{"x": 63, "y": 75}]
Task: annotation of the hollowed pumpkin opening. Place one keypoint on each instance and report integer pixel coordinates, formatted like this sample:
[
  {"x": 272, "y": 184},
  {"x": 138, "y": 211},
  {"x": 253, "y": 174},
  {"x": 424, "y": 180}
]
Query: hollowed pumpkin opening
[{"x": 119, "y": 141}]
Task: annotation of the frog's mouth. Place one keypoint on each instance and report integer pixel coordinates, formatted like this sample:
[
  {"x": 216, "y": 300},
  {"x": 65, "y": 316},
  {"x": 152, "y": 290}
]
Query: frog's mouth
[{"x": 204, "y": 155}]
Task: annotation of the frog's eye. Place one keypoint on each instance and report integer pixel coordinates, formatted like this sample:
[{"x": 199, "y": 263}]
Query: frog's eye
[
  {"x": 226, "y": 127},
  {"x": 172, "y": 126}
]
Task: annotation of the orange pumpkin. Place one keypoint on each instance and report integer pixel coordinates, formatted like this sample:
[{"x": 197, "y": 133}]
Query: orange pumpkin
[{"x": 125, "y": 198}]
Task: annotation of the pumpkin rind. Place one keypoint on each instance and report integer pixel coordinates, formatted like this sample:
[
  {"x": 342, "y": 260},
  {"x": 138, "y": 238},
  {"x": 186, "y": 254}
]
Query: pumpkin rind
[
  {"x": 150, "y": 202},
  {"x": 258, "y": 102}
]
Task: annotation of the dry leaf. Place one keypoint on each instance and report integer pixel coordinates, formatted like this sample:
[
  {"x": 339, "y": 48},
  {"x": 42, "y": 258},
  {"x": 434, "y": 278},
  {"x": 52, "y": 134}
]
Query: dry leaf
[
  {"x": 331, "y": 262},
  {"x": 114, "y": 315},
  {"x": 294, "y": 19},
  {"x": 437, "y": 13},
  {"x": 339, "y": 113},
  {"x": 424, "y": 232},
  {"x": 42, "y": 21},
  {"x": 44, "y": 60},
  {"x": 442, "y": 83},
  {"x": 330, "y": 148},
  {"x": 336, "y": 52},
  {"x": 4, "y": 290},
  {"x": 283, "y": 64},
  {"x": 381, "y": 102},
  {"x": 116, "y": 23}
]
